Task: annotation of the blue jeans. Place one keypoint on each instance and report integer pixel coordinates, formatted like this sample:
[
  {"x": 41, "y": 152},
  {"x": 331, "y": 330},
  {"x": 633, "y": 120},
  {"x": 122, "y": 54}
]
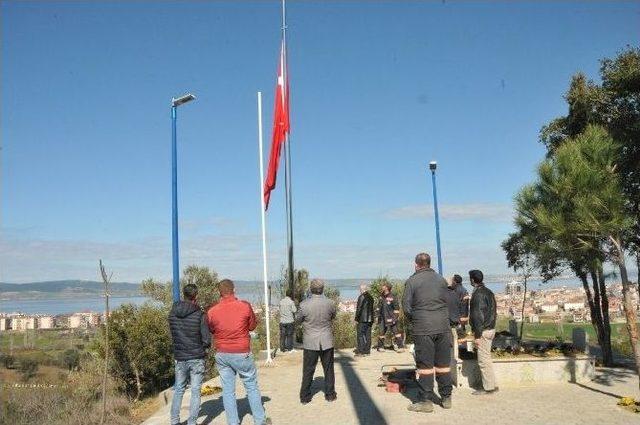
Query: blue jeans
[
  {"x": 230, "y": 364},
  {"x": 187, "y": 370}
]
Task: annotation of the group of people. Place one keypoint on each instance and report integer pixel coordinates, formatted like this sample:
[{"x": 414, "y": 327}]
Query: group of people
[{"x": 437, "y": 312}]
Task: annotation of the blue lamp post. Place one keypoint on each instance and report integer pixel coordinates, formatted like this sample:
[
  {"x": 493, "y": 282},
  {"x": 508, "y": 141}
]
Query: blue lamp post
[
  {"x": 175, "y": 102},
  {"x": 432, "y": 166}
]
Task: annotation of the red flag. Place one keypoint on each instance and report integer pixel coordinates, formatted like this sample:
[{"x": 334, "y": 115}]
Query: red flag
[{"x": 280, "y": 125}]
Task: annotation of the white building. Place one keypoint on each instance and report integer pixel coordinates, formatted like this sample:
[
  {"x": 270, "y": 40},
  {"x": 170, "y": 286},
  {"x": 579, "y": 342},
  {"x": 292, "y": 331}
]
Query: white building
[
  {"x": 573, "y": 306},
  {"x": 549, "y": 308},
  {"x": 76, "y": 321},
  {"x": 23, "y": 323},
  {"x": 84, "y": 320},
  {"x": 46, "y": 322},
  {"x": 5, "y": 323}
]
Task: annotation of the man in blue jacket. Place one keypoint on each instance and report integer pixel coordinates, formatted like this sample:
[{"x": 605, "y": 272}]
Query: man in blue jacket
[{"x": 191, "y": 341}]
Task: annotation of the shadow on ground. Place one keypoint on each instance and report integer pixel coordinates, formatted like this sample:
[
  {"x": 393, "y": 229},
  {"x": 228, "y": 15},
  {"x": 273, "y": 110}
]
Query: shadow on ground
[
  {"x": 608, "y": 377},
  {"x": 366, "y": 409},
  {"x": 214, "y": 408}
]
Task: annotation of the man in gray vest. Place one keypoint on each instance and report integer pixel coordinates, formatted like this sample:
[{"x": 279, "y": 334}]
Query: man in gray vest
[
  {"x": 425, "y": 304},
  {"x": 316, "y": 315},
  {"x": 287, "y": 323}
]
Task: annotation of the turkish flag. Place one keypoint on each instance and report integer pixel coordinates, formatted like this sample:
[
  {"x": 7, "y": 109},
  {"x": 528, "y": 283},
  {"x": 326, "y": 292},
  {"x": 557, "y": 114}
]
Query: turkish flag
[{"x": 280, "y": 125}]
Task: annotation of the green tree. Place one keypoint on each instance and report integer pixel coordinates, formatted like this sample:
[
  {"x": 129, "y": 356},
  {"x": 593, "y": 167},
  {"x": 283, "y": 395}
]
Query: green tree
[
  {"x": 204, "y": 278},
  {"x": 615, "y": 105},
  {"x": 577, "y": 203},
  {"x": 141, "y": 355}
]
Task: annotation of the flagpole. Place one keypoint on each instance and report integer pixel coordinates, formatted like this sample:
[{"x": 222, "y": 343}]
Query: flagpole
[
  {"x": 264, "y": 231},
  {"x": 287, "y": 159}
]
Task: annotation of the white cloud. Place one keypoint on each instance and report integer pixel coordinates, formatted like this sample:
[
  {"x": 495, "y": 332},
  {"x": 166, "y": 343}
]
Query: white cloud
[{"x": 473, "y": 211}]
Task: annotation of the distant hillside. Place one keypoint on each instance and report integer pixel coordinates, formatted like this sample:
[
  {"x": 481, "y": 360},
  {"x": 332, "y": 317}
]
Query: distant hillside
[{"x": 64, "y": 289}]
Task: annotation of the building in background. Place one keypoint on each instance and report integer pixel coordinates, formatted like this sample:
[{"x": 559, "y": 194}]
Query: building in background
[
  {"x": 23, "y": 323},
  {"x": 46, "y": 322}
]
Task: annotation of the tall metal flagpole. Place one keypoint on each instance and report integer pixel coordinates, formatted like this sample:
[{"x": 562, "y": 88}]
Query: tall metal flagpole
[
  {"x": 264, "y": 231},
  {"x": 287, "y": 158}
]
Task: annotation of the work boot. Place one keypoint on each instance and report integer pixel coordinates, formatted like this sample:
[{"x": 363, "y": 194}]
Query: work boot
[
  {"x": 446, "y": 402},
  {"x": 421, "y": 407}
]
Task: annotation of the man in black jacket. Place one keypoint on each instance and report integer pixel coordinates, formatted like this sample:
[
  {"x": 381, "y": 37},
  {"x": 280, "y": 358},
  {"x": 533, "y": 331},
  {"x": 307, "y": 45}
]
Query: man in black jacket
[
  {"x": 483, "y": 324},
  {"x": 191, "y": 341},
  {"x": 388, "y": 315},
  {"x": 425, "y": 305},
  {"x": 364, "y": 319}
]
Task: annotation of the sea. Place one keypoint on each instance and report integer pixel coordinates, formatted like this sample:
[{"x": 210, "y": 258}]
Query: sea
[{"x": 251, "y": 292}]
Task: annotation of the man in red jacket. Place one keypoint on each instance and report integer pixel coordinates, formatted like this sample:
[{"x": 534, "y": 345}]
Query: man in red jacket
[{"x": 230, "y": 322}]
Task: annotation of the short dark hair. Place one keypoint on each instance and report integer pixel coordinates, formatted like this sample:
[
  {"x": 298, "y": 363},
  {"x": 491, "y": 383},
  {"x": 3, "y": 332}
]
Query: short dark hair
[
  {"x": 289, "y": 293},
  {"x": 457, "y": 279},
  {"x": 423, "y": 260},
  {"x": 226, "y": 287},
  {"x": 316, "y": 286},
  {"x": 190, "y": 291},
  {"x": 476, "y": 276}
]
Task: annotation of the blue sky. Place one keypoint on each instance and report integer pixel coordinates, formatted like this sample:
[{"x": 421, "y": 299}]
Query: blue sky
[{"x": 377, "y": 91}]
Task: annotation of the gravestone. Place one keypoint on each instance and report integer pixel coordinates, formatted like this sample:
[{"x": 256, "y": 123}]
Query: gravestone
[{"x": 580, "y": 340}]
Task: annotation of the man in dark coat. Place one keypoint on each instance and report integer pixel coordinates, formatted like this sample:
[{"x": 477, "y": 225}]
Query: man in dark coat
[
  {"x": 483, "y": 325},
  {"x": 191, "y": 341},
  {"x": 364, "y": 319},
  {"x": 425, "y": 304},
  {"x": 388, "y": 315}
]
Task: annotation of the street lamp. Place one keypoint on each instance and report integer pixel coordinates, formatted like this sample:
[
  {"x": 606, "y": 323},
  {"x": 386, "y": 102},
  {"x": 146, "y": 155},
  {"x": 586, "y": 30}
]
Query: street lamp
[
  {"x": 432, "y": 166},
  {"x": 175, "y": 102}
]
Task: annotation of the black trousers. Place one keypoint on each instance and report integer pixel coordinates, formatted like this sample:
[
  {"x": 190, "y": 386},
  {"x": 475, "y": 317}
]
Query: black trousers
[
  {"x": 309, "y": 362},
  {"x": 286, "y": 336},
  {"x": 433, "y": 356},
  {"x": 364, "y": 337}
]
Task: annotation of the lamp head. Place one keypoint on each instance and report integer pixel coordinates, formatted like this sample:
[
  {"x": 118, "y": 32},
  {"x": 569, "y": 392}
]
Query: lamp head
[
  {"x": 182, "y": 99},
  {"x": 433, "y": 165}
]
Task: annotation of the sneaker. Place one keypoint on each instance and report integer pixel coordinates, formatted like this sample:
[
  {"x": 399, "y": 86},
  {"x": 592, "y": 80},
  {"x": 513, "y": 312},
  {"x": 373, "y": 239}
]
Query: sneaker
[
  {"x": 305, "y": 401},
  {"x": 333, "y": 397},
  {"x": 421, "y": 407},
  {"x": 446, "y": 402},
  {"x": 380, "y": 349},
  {"x": 399, "y": 350}
]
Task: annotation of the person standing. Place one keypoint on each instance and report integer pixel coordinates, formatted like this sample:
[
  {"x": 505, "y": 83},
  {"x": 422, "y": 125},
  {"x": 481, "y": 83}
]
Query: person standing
[
  {"x": 483, "y": 324},
  {"x": 457, "y": 303},
  {"x": 191, "y": 341},
  {"x": 230, "y": 322},
  {"x": 388, "y": 315},
  {"x": 425, "y": 304},
  {"x": 316, "y": 315},
  {"x": 463, "y": 297},
  {"x": 364, "y": 319},
  {"x": 287, "y": 322}
]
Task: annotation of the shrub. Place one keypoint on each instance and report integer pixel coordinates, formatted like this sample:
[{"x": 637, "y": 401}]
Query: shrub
[
  {"x": 141, "y": 354},
  {"x": 70, "y": 359},
  {"x": 8, "y": 361},
  {"x": 76, "y": 404},
  {"x": 344, "y": 330},
  {"x": 28, "y": 368}
]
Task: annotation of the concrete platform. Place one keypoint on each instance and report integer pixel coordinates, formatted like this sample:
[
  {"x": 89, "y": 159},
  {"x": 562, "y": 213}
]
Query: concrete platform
[{"x": 361, "y": 401}]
